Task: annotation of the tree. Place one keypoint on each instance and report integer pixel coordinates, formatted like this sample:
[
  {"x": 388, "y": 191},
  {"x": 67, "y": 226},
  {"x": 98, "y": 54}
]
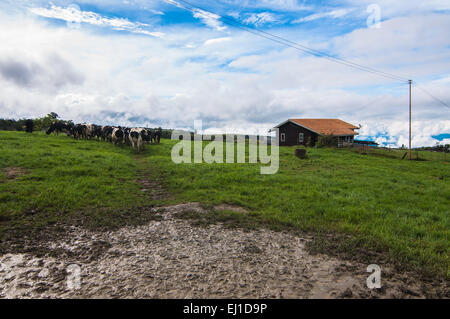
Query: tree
[
  {"x": 308, "y": 141},
  {"x": 45, "y": 122},
  {"x": 52, "y": 115},
  {"x": 327, "y": 141},
  {"x": 29, "y": 125}
]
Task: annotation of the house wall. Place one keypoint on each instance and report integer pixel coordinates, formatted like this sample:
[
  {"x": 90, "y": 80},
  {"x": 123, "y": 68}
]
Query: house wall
[
  {"x": 292, "y": 131},
  {"x": 345, "y": 140}
]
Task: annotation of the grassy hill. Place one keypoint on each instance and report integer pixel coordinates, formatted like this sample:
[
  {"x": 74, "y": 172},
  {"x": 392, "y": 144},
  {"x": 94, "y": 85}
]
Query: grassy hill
[{"x": 399, "y": 208}]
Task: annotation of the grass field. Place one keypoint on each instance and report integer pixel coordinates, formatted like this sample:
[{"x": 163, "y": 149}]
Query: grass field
[
  {"x": 399, "y": 207},
  {"x": 399, "y": 153}
]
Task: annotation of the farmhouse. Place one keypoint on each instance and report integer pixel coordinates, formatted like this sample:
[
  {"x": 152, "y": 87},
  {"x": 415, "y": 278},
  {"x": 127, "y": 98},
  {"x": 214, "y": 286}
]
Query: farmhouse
[{"x": 306, "y": 131}]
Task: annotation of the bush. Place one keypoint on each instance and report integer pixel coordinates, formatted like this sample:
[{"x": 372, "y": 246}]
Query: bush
[
  {"x": 300, "y": 153},
  {"x": 29, "y": 126},
  {"x": 12, "y": 125},
  {"x": 309, "y": 141},
  {"x": 45, "y": 122},
  {"x": 327, "y": 141}
]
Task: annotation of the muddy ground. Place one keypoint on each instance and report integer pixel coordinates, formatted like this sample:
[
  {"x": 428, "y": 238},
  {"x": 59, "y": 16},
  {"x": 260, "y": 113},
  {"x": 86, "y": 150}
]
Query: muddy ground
[{"x": 168, "y": 257}]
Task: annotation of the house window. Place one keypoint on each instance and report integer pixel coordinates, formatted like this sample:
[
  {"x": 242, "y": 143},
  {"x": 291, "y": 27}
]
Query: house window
[
  {"x": 282, "y": 137},
  {"x": 348, "y": 139},
  {"x": 300, "y": 137}
]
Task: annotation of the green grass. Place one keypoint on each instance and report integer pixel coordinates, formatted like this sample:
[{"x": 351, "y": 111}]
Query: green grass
[
  {"x": 63, "y": 174},
  {"x": 398, "y": 207},
  {"x": 420, "y": 155}
]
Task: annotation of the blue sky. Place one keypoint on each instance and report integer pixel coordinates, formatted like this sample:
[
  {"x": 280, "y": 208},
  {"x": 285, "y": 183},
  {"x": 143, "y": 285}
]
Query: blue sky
[{"x": 139, "y": 62}]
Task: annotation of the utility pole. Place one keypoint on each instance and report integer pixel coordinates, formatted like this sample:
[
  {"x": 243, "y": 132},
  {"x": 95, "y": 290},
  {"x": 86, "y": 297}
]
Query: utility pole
[{"x": 410, "y": 82}]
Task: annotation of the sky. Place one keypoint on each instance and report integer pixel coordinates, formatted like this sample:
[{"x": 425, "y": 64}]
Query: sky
[{"x": 153, "y": 63}]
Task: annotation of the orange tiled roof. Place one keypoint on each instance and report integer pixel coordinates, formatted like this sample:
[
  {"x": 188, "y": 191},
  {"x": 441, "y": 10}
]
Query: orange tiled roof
[{"x": 327, "y": 126}]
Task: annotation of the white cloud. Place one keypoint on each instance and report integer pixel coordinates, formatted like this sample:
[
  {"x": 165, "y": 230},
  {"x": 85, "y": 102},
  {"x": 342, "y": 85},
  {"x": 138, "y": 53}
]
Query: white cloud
[
  {"x": 392, "y": 8},
  {"x": 158, "y": 12},
  {"x": 282, "y": 5},
  {"x": 131, "y": 80},
  {"x": 335, "y": 14},
  {"x": 73, "y": 15},
  {"x": 259, "y": 19},
  {"x": 234, "y": 14},
  {"x": 396, "y": 133},
  {"x": 217, "y": 40},
  {"x": 210, "y": 19}
]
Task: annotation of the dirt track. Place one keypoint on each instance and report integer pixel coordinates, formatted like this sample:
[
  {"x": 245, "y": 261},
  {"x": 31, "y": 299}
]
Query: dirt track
[{"x": 169, "y": 258}]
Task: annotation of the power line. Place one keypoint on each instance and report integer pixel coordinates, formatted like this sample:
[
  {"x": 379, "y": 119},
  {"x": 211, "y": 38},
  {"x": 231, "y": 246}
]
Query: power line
[
  {"x": 212, "y": 15},
  {"x": 377, "y": 100},
  {"x": 207, "y": 13},
  {"x": 431, "y": 95}
]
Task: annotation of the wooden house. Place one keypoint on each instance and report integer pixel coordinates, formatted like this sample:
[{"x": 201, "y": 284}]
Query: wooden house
[{"x": 307, "y": 131}]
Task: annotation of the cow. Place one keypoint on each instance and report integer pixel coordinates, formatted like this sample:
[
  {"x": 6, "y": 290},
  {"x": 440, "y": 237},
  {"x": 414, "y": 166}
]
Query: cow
[
  {"x": 146, "y": 135},
  {"x": 136, "y": 138},
  {"x": 126, "y": 137},
  {"x": 107, "y": 133},
  {"x": 69, "y": 128},
  {"x": 117, "y": 135},
  {"x": 157, "y": 135},
  {"x": 77, "y": 131},
  {"x": 83, "y": 129},
  {"x": 97, "y": 132},
  {"x": 88, "y": 131},
  {"x": 58, "y": 127}
]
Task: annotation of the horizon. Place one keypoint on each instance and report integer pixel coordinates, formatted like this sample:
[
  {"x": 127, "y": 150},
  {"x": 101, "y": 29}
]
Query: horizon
[{"x": 135, "y": 63}]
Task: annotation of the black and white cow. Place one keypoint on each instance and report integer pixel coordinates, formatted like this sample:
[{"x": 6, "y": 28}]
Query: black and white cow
[
  {"x": 146, "y": 135},
  {"x": 88, "y": 131},
  {"x": 157, "y": 135},
  {"x": 126, "y": 135},
  {"x": 107, "y": 133},
  {"x": 117, "y": 136},
  {"x": 58, "y": 127},
  {"x": 136, "y": 138},
  {"x": 77, "y": 131},
  {"x": 97, "y": 132}
]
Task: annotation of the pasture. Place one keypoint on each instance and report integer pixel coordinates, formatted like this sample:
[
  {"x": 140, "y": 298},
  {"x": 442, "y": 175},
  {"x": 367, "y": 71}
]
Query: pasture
[{"x": 399, "y": 208}]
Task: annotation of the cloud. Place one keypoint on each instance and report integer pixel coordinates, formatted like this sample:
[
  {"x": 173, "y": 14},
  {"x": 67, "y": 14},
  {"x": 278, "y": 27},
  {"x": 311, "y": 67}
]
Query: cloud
[
  {"x": 281, "y": 5},
  {"x": 396, "y": 133},
  {"x": 158, "y": 12},
  {"x": 419, "y": 42},
  {"x": 390, "y": 9},
  {"x": 52, "y": 74},
  {"x": 335, "y": 14},
  {"x": 20, "y": 73},
  {"x": 73, "y": 14},
  {"x": 217, "y": 40},
  {"x": 234, "y": 14},
  {"x": 247, "y": 83},
  {"x": 210, "y": 19},
  {"x": 259, "y": 19}
]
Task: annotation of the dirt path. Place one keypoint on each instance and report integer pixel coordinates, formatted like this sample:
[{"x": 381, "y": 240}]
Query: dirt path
[{"x": 169, "y": 258}]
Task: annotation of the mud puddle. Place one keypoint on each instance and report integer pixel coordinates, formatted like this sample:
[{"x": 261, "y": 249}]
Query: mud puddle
[{"x": 169, "y": 258}]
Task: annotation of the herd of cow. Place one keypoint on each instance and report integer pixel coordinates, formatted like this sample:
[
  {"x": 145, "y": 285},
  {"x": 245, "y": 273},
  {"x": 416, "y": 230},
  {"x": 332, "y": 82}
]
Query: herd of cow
[{"x": 136, "y": 137}]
